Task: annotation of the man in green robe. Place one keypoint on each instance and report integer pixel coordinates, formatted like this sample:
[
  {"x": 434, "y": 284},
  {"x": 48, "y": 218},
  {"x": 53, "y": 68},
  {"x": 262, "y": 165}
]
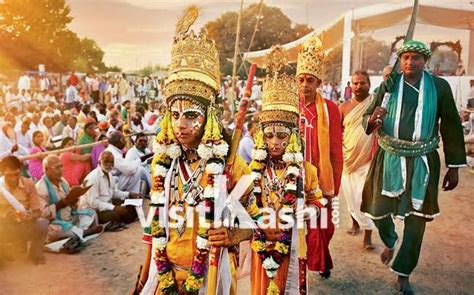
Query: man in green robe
[{"x": 408, "y": 115}]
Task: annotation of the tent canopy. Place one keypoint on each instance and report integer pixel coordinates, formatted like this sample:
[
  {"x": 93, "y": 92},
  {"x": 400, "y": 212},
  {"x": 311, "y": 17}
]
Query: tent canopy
[{"x": 380, "y": 16}]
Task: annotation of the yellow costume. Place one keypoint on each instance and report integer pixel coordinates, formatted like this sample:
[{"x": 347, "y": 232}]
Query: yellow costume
[
  {"x": 277, "y": 185},
  {"x": 181, "y": 257}
]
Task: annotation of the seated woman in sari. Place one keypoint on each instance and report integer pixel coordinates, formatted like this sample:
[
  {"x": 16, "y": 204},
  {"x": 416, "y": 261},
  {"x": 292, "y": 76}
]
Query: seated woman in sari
[
  {"x": 76, "y": 166},
  {"x": 35, "y": 165}
]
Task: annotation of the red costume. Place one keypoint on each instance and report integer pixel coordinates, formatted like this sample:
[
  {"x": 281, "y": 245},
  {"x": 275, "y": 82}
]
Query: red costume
[{"x": 319, "y": 257}]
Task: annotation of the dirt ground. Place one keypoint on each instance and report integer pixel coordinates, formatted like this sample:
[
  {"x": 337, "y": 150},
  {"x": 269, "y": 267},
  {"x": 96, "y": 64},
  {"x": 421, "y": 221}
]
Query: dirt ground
[{"x": 110, "y": 264}]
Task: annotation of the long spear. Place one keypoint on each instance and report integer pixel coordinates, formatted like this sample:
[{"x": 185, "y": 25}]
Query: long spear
[{"x": 215, "y": 252}]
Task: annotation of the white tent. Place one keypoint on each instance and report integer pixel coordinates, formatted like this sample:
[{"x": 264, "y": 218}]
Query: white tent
[{"x": 375, "y": 17}]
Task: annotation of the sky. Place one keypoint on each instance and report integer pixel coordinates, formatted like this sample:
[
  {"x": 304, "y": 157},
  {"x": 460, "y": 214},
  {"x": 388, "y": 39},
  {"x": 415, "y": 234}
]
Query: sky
[{"x": 137, "y": 33}]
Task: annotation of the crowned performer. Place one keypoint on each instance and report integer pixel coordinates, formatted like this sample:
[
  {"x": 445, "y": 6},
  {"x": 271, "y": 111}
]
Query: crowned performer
[
  {"x": 283, "y": 182},
  {"x": 190, "y": 154},
  {"x": 322, "y": 131}
]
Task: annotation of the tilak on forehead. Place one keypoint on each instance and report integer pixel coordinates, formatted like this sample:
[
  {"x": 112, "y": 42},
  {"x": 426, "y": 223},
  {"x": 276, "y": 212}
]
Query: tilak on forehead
[
  {"x": 186, "y": 105},
  {"x": 276, "y": 128}
]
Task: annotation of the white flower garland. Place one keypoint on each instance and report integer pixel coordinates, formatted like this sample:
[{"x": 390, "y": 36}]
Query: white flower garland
[
  {"x": 160, "y": 171},
  {"x": 158, "y": 148},
  {"x": 293, "y": 170},
  {"x": 159, "y": 243},
  {"x": 290, "y": 187},
  {"x": 204, "y": 151},
  {"x": 209, "y": 192},
  {"x": 270, "y": 266},
  {"x": 158, "y": 197},
  {"x": 255, "y": 175},
  {"x": 173, "y": 151},
  {"x": 214, "y": 168},
  {"x": 202, "y": 243},
  {"x": 259, "y": 154},
  {"x": 221, "y": 149}
]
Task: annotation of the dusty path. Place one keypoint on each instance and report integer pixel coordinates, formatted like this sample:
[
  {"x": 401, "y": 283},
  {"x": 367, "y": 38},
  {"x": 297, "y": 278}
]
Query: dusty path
[{"x": 110, "y": 264}]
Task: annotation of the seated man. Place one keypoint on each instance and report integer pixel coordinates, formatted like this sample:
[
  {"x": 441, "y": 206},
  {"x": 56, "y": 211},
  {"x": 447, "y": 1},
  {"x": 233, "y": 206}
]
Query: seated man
[
  {"x": 20, "y": 211},
  {"x": 60, "y": 207},
  {"x": 128, "y": 173},
  {"x": 104, "y": 196},
  {"x": 141, "y": 152}
]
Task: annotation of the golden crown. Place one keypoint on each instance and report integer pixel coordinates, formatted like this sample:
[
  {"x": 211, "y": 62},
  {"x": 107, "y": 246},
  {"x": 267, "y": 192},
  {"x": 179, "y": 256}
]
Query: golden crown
[
  {"x": 280, "y": 98},
  {"x": 310, "y": 57},
  {"x": 194, "y": 68}
]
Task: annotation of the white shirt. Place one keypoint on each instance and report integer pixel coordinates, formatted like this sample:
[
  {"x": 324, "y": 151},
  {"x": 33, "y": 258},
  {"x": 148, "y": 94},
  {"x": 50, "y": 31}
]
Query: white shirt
[
  {"x": 134, "y": 154},
  {"x": 23, "y": 139},
  {"x": 71, "y": 95},
  {"x": 69, "y": 132},
  {"x": 121, "y": 165},
  {"x": 103, "y": 189},
  {"x": 24, "y": 83}
]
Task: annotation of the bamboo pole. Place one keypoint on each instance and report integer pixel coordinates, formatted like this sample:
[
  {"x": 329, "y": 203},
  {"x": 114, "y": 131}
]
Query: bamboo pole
[
  {"x": 236, "y": 53},
  {"x": 73, "y": 148}
]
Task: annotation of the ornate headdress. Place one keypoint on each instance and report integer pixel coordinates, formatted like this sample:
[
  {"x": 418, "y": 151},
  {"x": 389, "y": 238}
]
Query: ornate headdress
[
  {"x": 280, "y": 98},
  {"x": 280, "y": 105},
  {"x": 194, "y": 69},
  {"x": 310, "y": 57}
]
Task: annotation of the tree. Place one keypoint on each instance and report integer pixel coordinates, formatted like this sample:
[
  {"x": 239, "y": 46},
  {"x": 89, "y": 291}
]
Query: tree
[
  {"x": 35, "y": 32},
  {"x": 274, "y": 27},
  {"x": 150, "y": 69},
  {"x": 375, "y": 56}
]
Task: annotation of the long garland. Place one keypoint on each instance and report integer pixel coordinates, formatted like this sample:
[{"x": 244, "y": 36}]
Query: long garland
[
  {"x": 272, "y": 259},
  {"x": 213, "y": 149}
]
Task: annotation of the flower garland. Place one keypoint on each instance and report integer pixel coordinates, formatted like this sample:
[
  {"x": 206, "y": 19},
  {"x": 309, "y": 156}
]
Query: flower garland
[
  {"x": 213, "y": 149},
  {"x": 272, "y": 259}
]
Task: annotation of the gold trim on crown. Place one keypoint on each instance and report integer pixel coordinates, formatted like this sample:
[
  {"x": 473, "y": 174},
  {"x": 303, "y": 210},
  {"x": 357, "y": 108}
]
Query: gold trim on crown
[
  {"x": 280, "y": 99},
  {"x": 194, "y": 68},
  {"x": 189, "y": 88},
  {"x": 310, "y": 57},
  {"x": 274, "y": 116}
]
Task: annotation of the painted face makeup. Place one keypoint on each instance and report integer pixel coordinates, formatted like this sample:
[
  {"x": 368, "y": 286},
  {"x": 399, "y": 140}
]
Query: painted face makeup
[
  {"x": 276, "y": 137},
  {"x": 188, "y": 120}
]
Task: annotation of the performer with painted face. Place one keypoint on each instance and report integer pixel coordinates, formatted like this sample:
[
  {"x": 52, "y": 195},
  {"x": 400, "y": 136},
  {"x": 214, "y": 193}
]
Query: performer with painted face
[
  {"x": 283, "y": 182},
  {"x": 190, "y": 157}
]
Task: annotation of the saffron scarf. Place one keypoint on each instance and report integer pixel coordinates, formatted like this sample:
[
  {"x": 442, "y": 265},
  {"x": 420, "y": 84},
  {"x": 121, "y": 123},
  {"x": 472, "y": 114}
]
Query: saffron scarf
[{"x": 326, "y": 178}]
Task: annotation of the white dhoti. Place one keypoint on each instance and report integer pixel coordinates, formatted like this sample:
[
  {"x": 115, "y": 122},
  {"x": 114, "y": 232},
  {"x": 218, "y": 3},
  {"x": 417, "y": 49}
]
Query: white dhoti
[
  {"x": 81, "y": 222},
  {"x": 357, "y": 148},
  {"x": 352, "y": 185}
]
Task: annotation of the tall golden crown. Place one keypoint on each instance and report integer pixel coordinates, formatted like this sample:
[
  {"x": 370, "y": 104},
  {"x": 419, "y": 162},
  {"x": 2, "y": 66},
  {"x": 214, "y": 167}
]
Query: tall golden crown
[
  {"x": 194, "y": 68},
  {"x": 280, "y": 98},
  {"x": 310, "y": 57}
]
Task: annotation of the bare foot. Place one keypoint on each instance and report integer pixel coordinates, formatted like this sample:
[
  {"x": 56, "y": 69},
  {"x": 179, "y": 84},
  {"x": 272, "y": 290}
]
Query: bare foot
[
  {"x": 353, "y": 231},
  {"x": 355, "y": 228},
  {"x": 95, "y": 229},
  {"x": 404, "y": 286},
  {"x": 387, "y": 255},
  {"x": 368, "y": 240}
]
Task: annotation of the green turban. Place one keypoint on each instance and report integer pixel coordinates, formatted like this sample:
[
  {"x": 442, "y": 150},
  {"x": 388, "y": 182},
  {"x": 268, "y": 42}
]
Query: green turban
[{"x": 415, "y": 46}]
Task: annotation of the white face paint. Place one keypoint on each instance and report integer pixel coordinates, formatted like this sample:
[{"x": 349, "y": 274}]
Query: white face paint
[
  {"x": 187, "y": 118},
  {"x": 276, "y": 137}
]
